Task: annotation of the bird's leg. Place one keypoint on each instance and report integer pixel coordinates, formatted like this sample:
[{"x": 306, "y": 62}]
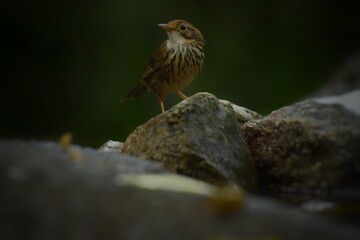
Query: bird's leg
[
  {"x": 180, "y": 94},
  {"x": 161, "y": 101}
]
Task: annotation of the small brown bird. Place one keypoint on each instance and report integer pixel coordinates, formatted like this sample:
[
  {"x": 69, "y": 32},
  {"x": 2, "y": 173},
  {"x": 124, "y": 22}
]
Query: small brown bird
[{"x": 174, "y": 65}]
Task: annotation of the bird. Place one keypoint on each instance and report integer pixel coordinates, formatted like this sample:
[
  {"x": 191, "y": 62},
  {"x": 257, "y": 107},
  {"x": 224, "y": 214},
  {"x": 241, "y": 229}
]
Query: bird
[{"x": 174, "y": 65}]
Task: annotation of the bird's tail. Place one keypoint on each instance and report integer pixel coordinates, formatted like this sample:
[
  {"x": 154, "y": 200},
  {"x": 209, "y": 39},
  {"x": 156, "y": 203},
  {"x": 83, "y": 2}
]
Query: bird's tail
[{"x": 139, "y": 90}]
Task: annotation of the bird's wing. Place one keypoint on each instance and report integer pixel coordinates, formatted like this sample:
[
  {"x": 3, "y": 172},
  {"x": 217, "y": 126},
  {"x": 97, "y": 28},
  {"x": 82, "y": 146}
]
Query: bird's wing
[{"x": 155, "y": 63}]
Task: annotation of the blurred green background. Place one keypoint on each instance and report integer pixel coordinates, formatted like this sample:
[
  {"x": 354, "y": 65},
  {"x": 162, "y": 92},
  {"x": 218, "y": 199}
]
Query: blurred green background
[{"x": 65, "y": 64}]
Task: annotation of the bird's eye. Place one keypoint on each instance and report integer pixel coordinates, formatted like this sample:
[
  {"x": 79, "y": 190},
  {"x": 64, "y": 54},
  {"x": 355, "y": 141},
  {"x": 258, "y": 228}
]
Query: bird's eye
[{"x": 182, "y": 27}]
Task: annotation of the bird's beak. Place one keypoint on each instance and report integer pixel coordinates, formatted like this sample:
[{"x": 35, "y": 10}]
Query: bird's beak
[{"x": 165, "y": 27}]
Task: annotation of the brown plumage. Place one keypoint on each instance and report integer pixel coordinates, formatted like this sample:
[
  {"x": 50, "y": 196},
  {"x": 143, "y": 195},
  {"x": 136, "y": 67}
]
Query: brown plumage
[{"x": 174, "y": 65}]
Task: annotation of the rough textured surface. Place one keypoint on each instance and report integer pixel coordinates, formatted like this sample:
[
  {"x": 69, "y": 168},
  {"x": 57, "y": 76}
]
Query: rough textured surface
[
  {"x": 307, "y": 147},
  {"x": 111, "y": 146},
  {"x": 47, "y": 195},
  {"x": 242, "y": 114},
  {"x": 200, "y": 138}
]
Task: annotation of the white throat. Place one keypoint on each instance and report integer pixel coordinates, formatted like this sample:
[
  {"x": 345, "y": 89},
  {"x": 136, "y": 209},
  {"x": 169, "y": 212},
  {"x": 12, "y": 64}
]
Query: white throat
[{"x": 175, "y": 39}]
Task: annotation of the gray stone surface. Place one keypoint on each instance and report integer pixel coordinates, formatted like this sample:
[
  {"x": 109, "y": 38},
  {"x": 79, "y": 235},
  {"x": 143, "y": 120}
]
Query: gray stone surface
[
  {"x": 350, "y": 101},
  {"x": 199, "y": 137},
  {"x": 111, "y": 146},
  {"x": 47, "y": 195},
  {"x": 242, "y": 114},
  {"x": 23, "y": 159},
  {"x": 307, "y": 147}
]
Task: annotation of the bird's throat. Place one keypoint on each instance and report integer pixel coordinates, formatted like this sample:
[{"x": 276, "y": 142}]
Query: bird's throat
[{"x": 176, "y": 40}]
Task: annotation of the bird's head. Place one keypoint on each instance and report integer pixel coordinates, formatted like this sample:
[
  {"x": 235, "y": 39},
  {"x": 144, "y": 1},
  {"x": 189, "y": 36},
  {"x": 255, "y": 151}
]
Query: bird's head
[{"x": 182, "y": 32}]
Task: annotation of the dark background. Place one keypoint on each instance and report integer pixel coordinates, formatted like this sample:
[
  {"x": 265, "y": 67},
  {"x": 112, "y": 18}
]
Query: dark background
[{"x": 65, "y": 64}]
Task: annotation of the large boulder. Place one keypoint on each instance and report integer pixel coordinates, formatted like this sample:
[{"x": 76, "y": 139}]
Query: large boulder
[
  {"x": 47, "y": 194},
  {"x": 201, "y": 138},
  {"x": 308, "y": 147}
]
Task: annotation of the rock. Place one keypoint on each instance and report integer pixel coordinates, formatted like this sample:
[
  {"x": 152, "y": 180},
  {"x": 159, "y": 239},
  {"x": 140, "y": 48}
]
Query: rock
[
  {"x": 47, "y": 195},
  {"x": 200, "y": 138},
  {"x": 111, "y": 146},
  {"x": 54, "y": 160},
  {"x": 307, "y": 147},
  {"x": 351, "y": 101},
  {"x": 224, "y": 200},
  {"x": 242, "y": 114}
]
